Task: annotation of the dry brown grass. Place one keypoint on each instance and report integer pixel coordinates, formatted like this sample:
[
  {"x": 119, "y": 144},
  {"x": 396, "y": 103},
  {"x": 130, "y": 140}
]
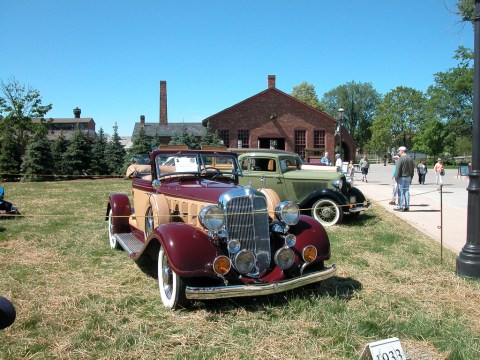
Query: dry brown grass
[{"x": 78, "y": 299}]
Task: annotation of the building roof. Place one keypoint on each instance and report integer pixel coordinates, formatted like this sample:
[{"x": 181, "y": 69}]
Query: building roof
[
  {"x": 125, "y": 141},
  {"x": 272, "y": 90},
  {"x": 65, "y": 120},
  {"x": 171, "y": 129}
]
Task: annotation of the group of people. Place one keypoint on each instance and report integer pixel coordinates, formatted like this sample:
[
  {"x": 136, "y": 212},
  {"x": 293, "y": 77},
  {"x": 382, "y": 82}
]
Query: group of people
[
  {"x": 403, "y": 172},
  {"x": 350, "y": 171}
]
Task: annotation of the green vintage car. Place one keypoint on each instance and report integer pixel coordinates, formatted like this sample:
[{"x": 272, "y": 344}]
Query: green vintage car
[{"x": 324, "y": 194}]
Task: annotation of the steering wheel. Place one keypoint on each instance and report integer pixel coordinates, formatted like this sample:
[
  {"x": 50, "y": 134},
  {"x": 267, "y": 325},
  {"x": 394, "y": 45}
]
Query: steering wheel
[{"x": 211, "y": 169}]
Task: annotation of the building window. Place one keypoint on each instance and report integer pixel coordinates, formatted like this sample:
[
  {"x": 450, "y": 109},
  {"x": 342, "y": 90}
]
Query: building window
[
  {"x": 243, "y": 136},
  {"x": 300, "y": 142},
  {"x": 319, "y": 139},
  {"x": 225, "y": 137}
]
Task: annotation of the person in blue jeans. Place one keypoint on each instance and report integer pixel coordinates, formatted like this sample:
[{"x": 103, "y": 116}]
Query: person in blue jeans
[{"x": 403, "y": 176}]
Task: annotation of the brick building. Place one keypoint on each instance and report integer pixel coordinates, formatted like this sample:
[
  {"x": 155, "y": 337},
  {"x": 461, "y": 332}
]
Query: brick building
[
  {"x": 68, "y": 126},
  {"x": 274, "y": 119}
]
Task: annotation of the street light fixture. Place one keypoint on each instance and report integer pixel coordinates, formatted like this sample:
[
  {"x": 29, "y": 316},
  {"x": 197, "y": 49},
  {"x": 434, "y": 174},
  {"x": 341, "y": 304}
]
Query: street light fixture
[{"x": 340, "y": 124}]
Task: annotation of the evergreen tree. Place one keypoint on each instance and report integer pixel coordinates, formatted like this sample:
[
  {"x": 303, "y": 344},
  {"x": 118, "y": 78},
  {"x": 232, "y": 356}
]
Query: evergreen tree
[
  {"x": 98, "y": 165},
  {"x": 185, "y": 138},
  {"x": 9, "y": 153},
  {"x": 38, "y": 160},
  {"x": 78, "y": 155},
  {"x": 59, "y": 147},
  {"x": 210, "y": 137},
  {"x": 115, "y": 154},
  {"x": 155, "y": 141},
  {"x": 140, "y": 144}
]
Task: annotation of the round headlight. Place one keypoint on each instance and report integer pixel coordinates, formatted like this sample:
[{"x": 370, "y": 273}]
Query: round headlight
[
  {"x": 233, "y": 246},
  {"x": 288, "y": 212},
  {"x": 222, "y": 265},
  {"x": 290, "y": 240},
  {"x": 309, "y": 253},
  {"x": 284, "y": 258},
  {"x": 338, "y": 183},
  {"x": 212, "y": 217},
  {"x": 244, "y": 261}
]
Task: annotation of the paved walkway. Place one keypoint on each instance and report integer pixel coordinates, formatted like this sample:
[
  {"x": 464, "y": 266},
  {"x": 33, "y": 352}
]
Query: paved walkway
[{"x": 426, "y": 202}]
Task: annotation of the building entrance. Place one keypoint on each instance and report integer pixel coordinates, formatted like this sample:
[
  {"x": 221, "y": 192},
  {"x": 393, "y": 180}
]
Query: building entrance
[{"x": 271, "y": 143}]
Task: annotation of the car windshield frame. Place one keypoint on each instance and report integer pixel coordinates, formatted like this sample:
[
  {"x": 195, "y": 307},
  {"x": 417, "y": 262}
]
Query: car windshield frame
[{"x": 196, "y": 163}]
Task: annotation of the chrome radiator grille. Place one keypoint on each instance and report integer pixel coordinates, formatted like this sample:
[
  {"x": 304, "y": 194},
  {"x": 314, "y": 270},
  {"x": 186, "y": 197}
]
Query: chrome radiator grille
[{"x": 247, "y": 221}]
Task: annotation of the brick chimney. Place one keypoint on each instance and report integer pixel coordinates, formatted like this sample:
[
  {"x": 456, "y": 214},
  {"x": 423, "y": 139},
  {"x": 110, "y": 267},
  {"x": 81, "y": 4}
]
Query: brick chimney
[
  {"x": 142, "y": 120},
  {"x": 163, "y": 103},
  {"x": 271, "y": 81},
  {"x": 77, "y": 112}
]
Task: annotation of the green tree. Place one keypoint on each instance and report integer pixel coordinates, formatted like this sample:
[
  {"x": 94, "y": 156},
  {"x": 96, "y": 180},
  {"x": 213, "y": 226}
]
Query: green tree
[
  {"x": 140, "y": 143},
  {"x": 78, "y": 155},
  {"x": 37, "y": 162},
  {"x": 155, "y": 142},
  {"x": 185, "y": 138},
  {"x": 306, "y": 93},
  {"x": 398, "y": 119},
  {"x": 210, "y": 137},
  {"x": 430, "y": 139},
  {"x": 18, "y": 105},
  {"x": 98, "y": 165},
  {"x": 59, "y": 147},
  {"x": 451, "y": 97},
  {"x": 359, "y": 101},
  {"x": 466, "y": 10},
  {"x": 115, "y": 154},
  {"x": 9, "y": 153}
]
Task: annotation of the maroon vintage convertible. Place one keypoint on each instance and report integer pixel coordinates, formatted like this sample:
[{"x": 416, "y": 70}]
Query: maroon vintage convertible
[{"x": 211, "y": 237}]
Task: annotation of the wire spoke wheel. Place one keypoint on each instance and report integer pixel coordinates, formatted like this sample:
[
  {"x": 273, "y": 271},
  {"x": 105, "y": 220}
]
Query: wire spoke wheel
[{"x": 327, "y": 212}]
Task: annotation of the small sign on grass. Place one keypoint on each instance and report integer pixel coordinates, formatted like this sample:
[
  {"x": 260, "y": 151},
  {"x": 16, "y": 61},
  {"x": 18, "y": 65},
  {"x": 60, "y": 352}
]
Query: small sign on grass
[{"x": 388, "y": 349}]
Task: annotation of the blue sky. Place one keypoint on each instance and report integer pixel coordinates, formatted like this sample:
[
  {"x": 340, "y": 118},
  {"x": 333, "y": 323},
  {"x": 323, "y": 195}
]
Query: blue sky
[{"x": 108, "y": 56}]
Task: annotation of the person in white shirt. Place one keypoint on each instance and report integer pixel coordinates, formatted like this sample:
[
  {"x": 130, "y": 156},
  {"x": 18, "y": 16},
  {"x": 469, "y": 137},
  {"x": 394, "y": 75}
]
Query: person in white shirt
[{"x": 338, "y": 163}]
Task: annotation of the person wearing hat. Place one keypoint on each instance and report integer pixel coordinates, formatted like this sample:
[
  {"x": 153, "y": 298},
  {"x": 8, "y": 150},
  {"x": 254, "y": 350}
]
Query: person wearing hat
[
  {"x": 403, "y": 177},
  {"x": 439, "y": 171}
]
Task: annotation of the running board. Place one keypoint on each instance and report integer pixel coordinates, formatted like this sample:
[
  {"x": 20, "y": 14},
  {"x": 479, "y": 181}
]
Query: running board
[{"x": 129, "y": 243}]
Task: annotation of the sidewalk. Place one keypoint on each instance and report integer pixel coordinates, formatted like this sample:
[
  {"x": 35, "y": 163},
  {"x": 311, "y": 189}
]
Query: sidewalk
[{"x": 425, "y": 203}]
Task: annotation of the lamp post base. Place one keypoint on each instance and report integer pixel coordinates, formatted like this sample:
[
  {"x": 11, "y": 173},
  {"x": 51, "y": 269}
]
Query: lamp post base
[{"x": 468, "y": 261}]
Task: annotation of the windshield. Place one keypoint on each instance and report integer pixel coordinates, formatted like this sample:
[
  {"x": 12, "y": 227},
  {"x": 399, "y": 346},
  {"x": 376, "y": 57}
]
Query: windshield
[
  {"x": 290, "y": 163},
  {"x": 203, "y": 164}
]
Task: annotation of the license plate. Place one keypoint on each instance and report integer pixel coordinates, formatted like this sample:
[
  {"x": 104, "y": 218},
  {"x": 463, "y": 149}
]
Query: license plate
[{"x": 353, "y": 199}]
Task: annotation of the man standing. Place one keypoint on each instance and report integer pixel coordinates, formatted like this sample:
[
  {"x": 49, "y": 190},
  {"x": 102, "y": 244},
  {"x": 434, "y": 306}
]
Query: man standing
[
  {"x": 364, "y": 166},
  {"x": 403, "y": 176}
]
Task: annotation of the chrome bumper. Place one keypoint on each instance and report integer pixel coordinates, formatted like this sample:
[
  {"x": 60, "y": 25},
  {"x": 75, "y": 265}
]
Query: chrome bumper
[
  {"x": 229, "y": 291},
  {"x": 364, "y": 206}
]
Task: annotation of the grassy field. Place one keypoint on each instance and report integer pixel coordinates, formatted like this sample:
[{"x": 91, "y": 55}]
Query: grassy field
[{"x": 76, "y": 298}]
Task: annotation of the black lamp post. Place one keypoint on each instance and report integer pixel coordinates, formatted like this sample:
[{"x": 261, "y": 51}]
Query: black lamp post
[
  {"x": 340, "y": 123},
  {"x": 468, "y": 261}
]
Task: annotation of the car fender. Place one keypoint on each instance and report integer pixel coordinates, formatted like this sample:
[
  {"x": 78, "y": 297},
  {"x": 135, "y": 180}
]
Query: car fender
[
  {"x": 121, "y": 209},
  {"x": 357, "y": 193},
  {"x": 190, "y": 250},
  {"x": 309, "y": 231},
  {"x": 334, "y": 195}
]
